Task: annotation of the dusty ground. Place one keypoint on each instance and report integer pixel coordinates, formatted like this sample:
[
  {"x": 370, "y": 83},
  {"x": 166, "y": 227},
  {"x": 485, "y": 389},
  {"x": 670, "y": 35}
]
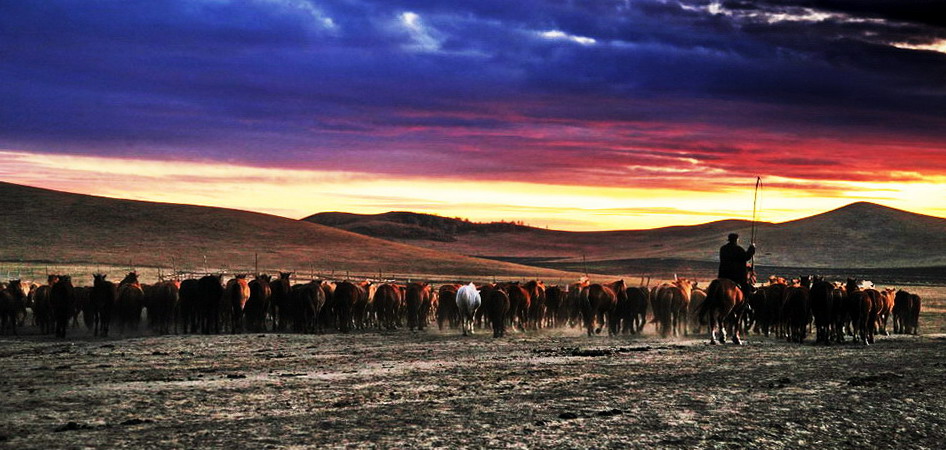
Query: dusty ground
[{"x": 400, "y": 389}]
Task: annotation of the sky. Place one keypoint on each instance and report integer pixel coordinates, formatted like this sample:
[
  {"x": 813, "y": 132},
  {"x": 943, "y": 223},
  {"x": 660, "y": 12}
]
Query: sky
[{"x": 579, "y": 115}]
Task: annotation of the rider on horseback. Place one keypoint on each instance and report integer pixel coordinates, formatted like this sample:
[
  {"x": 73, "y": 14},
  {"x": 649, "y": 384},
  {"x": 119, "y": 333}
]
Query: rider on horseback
[{"x": 733, "y": 263}]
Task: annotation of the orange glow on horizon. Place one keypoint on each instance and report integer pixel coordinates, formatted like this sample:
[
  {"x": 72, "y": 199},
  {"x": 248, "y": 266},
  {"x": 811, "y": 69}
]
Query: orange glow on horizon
[{"x": 297, "y": 193}]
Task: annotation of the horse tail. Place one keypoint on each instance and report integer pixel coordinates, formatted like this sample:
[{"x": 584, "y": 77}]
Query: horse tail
[{"x": 712, "y": 296}]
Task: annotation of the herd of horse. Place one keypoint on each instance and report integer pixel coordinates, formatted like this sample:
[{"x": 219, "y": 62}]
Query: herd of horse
[{"x": 212, "y": 304}]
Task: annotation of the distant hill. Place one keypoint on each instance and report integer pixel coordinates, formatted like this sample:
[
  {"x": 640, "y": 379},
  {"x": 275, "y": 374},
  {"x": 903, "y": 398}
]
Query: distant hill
[
  {"x": 859, "y": 235},
  {"x": 42, "y": 225}
]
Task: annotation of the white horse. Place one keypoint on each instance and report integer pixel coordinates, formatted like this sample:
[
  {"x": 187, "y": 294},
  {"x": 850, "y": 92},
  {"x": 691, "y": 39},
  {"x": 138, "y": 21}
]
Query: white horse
[{"x": 468, "y": 300}]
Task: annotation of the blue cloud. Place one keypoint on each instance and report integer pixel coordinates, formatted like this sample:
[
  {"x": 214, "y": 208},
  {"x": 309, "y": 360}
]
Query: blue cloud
[{"x": 310, "y": 80}]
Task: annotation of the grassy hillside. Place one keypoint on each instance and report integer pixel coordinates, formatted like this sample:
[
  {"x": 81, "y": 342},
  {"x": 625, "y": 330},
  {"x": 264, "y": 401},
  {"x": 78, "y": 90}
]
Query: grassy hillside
[
  {"x": 48, "y": 226},
  {"x": 860, "y": 235}
]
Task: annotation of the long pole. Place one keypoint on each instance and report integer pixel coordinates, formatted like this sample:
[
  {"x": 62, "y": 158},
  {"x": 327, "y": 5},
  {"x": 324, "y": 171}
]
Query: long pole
[{"x": 755, "y": 202}]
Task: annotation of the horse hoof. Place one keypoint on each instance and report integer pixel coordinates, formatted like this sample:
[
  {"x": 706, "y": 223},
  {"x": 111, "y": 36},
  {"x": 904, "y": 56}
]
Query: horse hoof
[{"x": 713, "y": 342}]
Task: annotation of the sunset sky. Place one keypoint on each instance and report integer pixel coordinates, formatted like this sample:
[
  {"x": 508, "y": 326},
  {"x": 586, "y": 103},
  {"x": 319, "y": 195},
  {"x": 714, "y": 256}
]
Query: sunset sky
[{"x": 579, "y": 115}]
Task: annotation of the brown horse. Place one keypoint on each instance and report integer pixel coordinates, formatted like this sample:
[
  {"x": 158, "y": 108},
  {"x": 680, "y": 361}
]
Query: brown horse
[
  {"x": 861, "y": 310},
  {"x": 887, "y": 297},
  {"x": 697, "y": 297},
  {"x": 418, "y": 303},
  {"x": 363, "y": 308},
  {"x": 237, "y": 294},
  {"x": 387, "y": 300},
  {"x": 600, "y": 306},
  {"x": 671, "y": 305},
  {"x": 725, "y": 306},
  {"x": 536, "y": 313},
  {"x": 574, "y": 296},
  {"x": 519, "y": 303}
]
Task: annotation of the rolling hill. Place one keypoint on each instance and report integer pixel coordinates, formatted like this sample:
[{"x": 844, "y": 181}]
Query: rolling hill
[
  {"x": 42, "y": 225},
  {"x": 859, "y": 235}
]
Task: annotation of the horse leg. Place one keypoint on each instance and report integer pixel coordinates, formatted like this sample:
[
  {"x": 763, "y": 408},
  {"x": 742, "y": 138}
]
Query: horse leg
[
  {"x": 721, "y": 321},
  {"x": 712, "y": 329}
]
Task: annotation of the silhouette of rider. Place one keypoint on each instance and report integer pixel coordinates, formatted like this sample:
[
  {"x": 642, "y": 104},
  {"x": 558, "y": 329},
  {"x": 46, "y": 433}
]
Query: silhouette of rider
[{"x": 733, "y": 262}]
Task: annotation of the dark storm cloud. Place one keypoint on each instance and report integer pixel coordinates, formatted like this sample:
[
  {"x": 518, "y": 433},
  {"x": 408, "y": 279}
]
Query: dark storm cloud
[{"x": 379, "y": 85}]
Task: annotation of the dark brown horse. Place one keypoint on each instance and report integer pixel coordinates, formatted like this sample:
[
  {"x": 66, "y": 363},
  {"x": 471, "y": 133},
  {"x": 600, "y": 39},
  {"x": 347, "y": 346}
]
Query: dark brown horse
[
  {"x": 600, "y": 306},
  {"x": 632, "y": 309},
  {"x": 104, "y": 296},
  {"x": 906, "y": 313},
  {"x": 12, "y": 300},
  {"x": 555, "y": 312},
  {"x": 279, "y": 301},
  {"x": 309, "y": 299},
  {"x": 724, "y": 307},
  {"x": 187, "y": 307},
  {"x": 387, "y": 304},
  {"x": 496, "y": 307},
  {"x": 258, "y": 304},
  {"x": 769, "y": 317},
  {"x": 347, "y": 295},
  {"x": 447, "y": 312},
  {"x": 42, "y": 305},
  {"x": 210, "y": 303},
  {"x": 62, "y": 297},
  {"x": 861, "y": 309},
  {"x": 362, "y": 309},
  {"x": 822, "y": 304},
  {"x": 328, "y": 316},
  {"x": 162, "y": 304},
  {"x": 130, "y": 302},
  {"x": 796, "y": 312}
]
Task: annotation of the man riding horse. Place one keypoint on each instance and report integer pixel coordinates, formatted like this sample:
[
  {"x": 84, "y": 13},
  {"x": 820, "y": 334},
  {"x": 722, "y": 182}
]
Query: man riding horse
[{"x": 733, "y": 263}]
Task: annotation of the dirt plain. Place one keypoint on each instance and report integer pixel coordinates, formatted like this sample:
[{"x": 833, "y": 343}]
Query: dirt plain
[{"x": 432, "y": 389}]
